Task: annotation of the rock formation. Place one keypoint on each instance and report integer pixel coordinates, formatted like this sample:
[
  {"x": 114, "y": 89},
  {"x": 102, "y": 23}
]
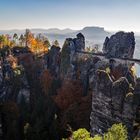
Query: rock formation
[
  {"x": 112, "y": 102},
  {"x": 67, "y": 99},
  {"x": 52, "y": 60},
  {"x": 137, "y": 108},
  {"x": 120, "y": 45},
  {"x": 68, "y": 55},
  {"x": 79, "y": 42},
  {"x": 113, "y": 93}
]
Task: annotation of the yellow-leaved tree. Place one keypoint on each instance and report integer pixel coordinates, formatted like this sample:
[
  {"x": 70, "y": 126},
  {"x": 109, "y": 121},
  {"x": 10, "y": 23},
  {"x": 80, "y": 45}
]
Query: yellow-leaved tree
[{"x": 116, "y": 132}]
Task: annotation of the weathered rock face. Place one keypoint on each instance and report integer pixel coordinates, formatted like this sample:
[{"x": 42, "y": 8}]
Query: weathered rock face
[
  {"x": 116, "y": 92},
  {"x": 53, "y": 60},
  {"x": 68, "y": 54},
  {"x": 112, "y": 103},
  {"x": 101, "y": 109},
  {"x": 137, "y": 108},
  {"x": 80, "y": 42},
  {"x": 113, "y": 100},
  {"x": 120, "y": 45}
]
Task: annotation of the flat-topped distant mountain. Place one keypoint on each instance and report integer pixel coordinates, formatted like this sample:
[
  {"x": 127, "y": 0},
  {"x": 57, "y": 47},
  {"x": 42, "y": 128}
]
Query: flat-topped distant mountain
[{"x": 94, "y": 31}]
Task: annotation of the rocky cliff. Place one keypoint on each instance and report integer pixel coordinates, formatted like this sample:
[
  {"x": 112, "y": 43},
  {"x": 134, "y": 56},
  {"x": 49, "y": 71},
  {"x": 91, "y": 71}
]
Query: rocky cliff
[
  {"x": 113, "y": 99},
  {"x": 120, "y": 45},
  {"x": 111, "y": 82},
  {"x": 69, "y": 55}
]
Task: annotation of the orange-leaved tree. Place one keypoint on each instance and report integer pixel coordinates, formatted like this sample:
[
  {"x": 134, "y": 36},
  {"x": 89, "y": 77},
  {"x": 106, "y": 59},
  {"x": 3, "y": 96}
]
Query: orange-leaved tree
[
  {"x": 69, "y": 93},
  {"x": 46, "y": 81}
]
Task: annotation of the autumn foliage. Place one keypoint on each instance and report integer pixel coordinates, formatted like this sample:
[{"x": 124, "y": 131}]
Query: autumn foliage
[
  {"x": 36, "y": 44},
  {"x": 69, "y": 93},
  {"x": 46, "y": 81}
]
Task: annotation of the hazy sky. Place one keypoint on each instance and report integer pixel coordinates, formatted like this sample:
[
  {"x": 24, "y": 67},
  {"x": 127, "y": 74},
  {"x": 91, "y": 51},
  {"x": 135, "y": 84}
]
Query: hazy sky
[{"x": 75, "y": 14}]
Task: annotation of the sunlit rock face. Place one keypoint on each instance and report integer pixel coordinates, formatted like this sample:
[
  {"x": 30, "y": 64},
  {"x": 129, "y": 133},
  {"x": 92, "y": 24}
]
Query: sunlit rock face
[{"x": 120, "y": 44}]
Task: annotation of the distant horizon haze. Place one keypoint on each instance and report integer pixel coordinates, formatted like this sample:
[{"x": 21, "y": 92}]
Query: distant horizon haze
[
  {"x": 67, "y": 28},
  {"x": 113, "y": 15}
]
